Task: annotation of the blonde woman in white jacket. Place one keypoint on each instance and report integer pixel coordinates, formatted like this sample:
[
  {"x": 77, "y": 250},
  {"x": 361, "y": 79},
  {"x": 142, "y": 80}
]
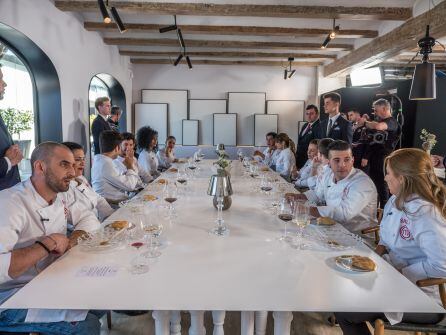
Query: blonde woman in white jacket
[{"x": 412, "y": 234}]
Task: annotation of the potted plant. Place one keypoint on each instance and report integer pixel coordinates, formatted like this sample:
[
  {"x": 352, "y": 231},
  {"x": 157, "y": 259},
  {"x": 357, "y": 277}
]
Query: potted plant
[
  {"x": 18, "y": 121},
  {"x": 429, "y": 140}
]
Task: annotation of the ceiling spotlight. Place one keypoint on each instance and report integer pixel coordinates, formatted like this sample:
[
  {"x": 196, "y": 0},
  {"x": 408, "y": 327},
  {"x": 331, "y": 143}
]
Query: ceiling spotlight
[
  {"x": 423, "y": 82},
  {"x": 180, "y": 38},
  {"x": 288, "y": 73},
  {"x": 334, "y": 31},
  {"x": 188, "y": 62},
  {"x": 104, "y": 11},
  {"x": 118, "y": 20},
  {"x": 170, "y": 28},
  {"x": 178, "y": 59}
]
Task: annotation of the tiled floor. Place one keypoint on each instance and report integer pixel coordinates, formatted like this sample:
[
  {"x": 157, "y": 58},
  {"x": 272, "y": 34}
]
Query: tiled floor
[{"x": 303, "y": 324}]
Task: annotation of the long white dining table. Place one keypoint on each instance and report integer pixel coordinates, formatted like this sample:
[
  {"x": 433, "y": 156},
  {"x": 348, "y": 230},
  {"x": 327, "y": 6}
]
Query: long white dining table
[{"x": 249, "y": 270}]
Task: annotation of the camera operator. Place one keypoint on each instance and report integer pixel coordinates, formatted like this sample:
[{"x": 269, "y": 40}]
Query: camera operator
[{"x": 382, "y": 137}]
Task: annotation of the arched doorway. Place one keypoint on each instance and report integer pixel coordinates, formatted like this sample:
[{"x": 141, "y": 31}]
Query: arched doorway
[{"x": 30, "y": 72}]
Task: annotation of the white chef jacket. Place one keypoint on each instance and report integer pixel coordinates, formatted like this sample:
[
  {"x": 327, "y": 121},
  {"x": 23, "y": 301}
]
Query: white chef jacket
[
  {"x": 81, "y": 194},
  {"x": 164, "y": 160},
  {"x": 270, "y": 157},
  {"x": 143, "y": 175},
  {"x": 27, "y": 217},
  {"x": 285, "y": 162},
  {"x": 304, "y": 174},
  {"x": 315, "y": 182},
  {"x": 351, "y": 201},
  {"x": 108, "y": 182},
  {"x": 148, "y": 162},
  {"x": 415, "y": 239}
]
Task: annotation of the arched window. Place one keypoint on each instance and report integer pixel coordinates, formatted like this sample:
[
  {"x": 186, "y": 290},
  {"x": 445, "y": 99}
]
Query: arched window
[{"x": 17, "y": 106}]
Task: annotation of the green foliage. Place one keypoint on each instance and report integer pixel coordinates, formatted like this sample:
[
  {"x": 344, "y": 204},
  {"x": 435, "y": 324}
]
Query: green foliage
[
  {"x": 17, "y": 120},
  {"x": 429, "y": 140}
]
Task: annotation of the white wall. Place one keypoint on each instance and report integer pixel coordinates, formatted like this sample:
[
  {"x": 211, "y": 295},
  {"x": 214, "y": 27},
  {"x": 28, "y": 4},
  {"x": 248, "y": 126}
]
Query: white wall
[
  {"x": 213, "y": 82},
  {"x": 76, "y": 54}
]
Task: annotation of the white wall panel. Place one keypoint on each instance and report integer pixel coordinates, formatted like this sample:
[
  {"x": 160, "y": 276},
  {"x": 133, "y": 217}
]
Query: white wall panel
[
  {"x": 177, "y": 100},
  {"x": 263, "y": 124},
  {"x": 153, "y": 115},
  {"x": 225, "y": 126},
  {"x": 190, "y": 132},
  {"x": 203, "y": 110},
  {"x": 245, "y": 105},
  {"x": 290, "y": 113}
]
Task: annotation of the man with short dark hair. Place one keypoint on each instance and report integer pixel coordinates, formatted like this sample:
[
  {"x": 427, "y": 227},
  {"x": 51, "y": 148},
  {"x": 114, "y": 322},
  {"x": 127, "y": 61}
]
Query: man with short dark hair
[
  {"x": 106, "y": 178},
  {"x": 310, "y": 131},
  {"x": 335, "y": 126},
  {"x": 33, "y": 235},
  {"x": 384, "y": 135},
  {"x": 127, "y": 153},
  {"x": 358, "y": 145},
  {"x": 347, "y": 194},
  {"x": 269, "y": 155},
  {"x": 113, "y": 119},
  {"x": 10, "y": 154},
  {"x": 100, "y": 123}
]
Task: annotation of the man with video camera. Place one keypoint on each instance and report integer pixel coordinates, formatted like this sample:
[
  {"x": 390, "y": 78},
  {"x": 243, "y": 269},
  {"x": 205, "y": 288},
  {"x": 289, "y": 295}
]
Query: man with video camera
[{"x": 382, "y": 136}]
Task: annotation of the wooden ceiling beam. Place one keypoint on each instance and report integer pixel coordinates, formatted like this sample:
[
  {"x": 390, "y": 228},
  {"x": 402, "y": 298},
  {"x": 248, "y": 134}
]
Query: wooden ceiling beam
[
  {"x": 235, "y": 30},
  {"x": 223, "y": 62},
  {"x": 226, "y": 54},
  {"x": 212, "y": 9},
  {"x": 386, "y": 46},
  {"x": 223, "y": 44}
]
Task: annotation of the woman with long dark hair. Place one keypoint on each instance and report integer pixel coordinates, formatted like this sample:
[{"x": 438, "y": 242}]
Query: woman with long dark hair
[{"x": 147, "y": 139}]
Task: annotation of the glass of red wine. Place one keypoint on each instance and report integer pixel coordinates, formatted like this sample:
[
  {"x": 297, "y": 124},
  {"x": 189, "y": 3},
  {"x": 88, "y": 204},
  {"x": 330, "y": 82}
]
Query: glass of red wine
[
  {"x": 171, "y": 196},
  {"x": 285, "y": 214}
]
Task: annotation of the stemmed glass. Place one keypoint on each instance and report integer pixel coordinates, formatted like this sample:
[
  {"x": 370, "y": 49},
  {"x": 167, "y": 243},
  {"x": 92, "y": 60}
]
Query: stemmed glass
[
  {"x": 265, "y": 184},
  {"x": 301, "y": 219},
  {"x": 285, "y": 214},
  {"x": 192, "y": 166},
  {"x": 152, "y": 232},
  {"x": 138, "y": 263},
  {"x": 170, "y": 196},
  {"x": 240, "y": 155},
  {"x": 182, "y": 181}
]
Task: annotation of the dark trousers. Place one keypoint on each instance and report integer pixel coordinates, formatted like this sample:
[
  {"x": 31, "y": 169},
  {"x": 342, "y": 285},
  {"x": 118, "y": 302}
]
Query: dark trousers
[
  {"x": 355, "y": 323},
  {"x": 376, "y": 173}
]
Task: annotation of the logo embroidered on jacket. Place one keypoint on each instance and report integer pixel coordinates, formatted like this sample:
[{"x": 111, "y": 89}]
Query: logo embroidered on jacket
[
  {"x": 345, "y": 192},
  {"x": 404, "y": 230}
]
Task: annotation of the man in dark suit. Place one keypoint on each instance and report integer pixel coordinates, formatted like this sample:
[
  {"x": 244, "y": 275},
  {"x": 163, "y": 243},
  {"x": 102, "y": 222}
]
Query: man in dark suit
[
  {"x": 335, "y": 126},
  {"x": 310, "y": 131},
  {"x": 100, "y": 123},
  {"x": 10, "y": 154}
]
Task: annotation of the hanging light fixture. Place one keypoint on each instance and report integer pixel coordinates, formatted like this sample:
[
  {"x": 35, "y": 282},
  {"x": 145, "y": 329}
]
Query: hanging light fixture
[
  {"x": 104, "y": 11},
  {"x": 289, "y": 73},
  {"x": 423, "y": 82},
  {"x": 118, "y": 21},
  {"x": 169, "y": 28},
  {"x": 331, "y": 35},
  {"x": 104, "y": 7}
]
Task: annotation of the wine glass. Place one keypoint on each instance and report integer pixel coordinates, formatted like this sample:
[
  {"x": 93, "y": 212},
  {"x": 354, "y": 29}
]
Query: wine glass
[
  {"x": 265, "y": 184},
  {"x": 170, "y": 196},
  {"x": 192, "y": 166},
  {"x": 152, "y": 231},
  {"x": 301, "y": 219},
  {"x": 285, "y": 214},
  {"x": 240, "y": 154},
  {"x": 182, "y": 180}
]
